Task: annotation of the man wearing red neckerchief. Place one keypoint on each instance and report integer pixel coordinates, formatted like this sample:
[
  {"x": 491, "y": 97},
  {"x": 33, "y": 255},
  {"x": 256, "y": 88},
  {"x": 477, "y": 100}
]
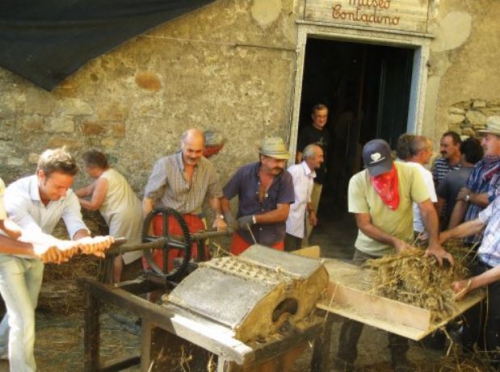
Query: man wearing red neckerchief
[{"x": 381, "y": 198}]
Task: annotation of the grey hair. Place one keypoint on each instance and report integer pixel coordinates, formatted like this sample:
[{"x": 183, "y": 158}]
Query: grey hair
[{"x": 310, "y": 151}]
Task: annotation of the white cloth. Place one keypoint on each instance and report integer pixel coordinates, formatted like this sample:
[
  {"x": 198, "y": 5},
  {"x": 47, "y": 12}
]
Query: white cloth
[
  {"x": 121, "y": 210},
  {"x": 3, "y": 214},
  {"x": 418, "y": 224},
  {"x": 303, "y": 182}
]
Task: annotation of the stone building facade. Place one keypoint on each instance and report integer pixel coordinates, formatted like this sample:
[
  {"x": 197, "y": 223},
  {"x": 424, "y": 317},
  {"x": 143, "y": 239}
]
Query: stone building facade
[{"x": 237, "y": 67}]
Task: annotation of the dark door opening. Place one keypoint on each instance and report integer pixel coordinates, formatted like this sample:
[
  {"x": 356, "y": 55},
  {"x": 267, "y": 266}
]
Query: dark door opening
[{"x": 366, "y": 88}]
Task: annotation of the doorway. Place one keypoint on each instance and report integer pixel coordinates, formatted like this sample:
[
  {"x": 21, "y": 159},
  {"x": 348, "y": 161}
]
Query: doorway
[{"x": 367, "y": 89}]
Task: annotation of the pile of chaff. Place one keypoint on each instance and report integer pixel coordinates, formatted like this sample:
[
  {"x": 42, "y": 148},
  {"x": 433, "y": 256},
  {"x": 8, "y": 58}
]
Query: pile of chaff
[{"x": 411, "y": 278}]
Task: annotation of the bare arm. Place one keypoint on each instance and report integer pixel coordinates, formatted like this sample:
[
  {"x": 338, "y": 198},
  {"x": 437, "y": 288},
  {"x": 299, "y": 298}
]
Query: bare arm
[
  {"x": 364, "y": 223},
  {"x": 100, "y": 190},
  {"x": 431, "y": 223},
  {"x": 147, "y": 206},
  {"x": 279, "y": 214},
  {"x": 463, "y": 230},
  {"x": 462, "y": 287},
  {"x": 11, "y": 228},
  {"x": 474, "y": 198},
  {"x": 219, "y": 223},
  {"x": 458, "y": 214},
  {"x": 85, "y": 191},
  {"x": 440, "y": 205}
]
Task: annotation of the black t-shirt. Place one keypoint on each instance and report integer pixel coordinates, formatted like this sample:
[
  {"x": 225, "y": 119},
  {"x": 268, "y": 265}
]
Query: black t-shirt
[{"x": 311, "y": 135}]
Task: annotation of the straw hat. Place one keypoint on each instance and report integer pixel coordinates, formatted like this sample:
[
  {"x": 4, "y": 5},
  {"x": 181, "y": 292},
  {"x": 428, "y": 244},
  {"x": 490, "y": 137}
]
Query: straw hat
[
  {"x": 492, "y": 125},
  {"x": 274, "y": 147}
]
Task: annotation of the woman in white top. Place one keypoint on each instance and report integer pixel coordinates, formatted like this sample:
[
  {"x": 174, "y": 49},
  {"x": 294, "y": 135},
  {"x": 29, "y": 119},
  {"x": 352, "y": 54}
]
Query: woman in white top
[{"x": 112, "y": 195}]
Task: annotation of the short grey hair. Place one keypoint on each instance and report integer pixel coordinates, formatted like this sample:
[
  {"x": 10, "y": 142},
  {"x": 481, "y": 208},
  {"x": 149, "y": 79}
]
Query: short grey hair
[{"x": 310, "y": 151}]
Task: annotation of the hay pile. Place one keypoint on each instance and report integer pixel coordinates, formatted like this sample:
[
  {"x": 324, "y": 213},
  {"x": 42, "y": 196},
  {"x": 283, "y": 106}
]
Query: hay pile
[{"x": 411, "y": 278}]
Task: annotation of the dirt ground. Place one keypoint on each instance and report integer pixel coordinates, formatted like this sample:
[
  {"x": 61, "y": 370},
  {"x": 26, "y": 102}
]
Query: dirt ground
[
  {"x": 60, "y": 324},
  {"x": 59, "y": 346}
]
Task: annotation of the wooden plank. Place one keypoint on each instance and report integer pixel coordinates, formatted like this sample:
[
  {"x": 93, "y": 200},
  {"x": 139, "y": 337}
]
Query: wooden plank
[
  {"x": 313, "y": 251},
  {"x": 350, "y": 295}
]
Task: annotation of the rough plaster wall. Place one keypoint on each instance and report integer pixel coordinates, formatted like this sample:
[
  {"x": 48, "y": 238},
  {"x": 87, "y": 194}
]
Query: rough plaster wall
[
  {"x": 229, "y": 66},
  {"x": 464, "y": 58}
]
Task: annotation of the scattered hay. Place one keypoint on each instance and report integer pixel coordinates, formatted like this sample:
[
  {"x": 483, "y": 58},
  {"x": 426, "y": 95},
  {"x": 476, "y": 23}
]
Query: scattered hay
[{"x": 411, "y": 278}]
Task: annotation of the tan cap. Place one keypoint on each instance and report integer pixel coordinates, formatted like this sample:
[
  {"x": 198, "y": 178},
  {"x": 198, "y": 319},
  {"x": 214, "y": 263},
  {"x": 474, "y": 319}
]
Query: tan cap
[{"x": 274, "y": 147}]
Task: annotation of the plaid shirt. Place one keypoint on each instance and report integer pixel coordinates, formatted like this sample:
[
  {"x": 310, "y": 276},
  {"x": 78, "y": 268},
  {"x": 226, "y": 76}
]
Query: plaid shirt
[
  {"x": 168, "y": 187},
  {"x": 483, "y": 179},
  {"x": 489, "y": 251}
]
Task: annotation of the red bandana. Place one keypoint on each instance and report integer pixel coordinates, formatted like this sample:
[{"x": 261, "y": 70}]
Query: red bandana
[{"x": 386, "y": 186}]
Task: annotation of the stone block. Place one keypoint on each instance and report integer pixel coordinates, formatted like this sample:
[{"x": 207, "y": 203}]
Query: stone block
[
  {"x": 148, "y": 81},
  {"x": 60, "y": 124},
  {"x": 74, "y": 106},
  {"x": 456, "y": 110},
  {"x": 476, "y": 118},
  {"x": 456, "y": 118},
  {"x": 93, "y": 129},
  {"x": 70, "y": 143},
  {"x": 479, "y": 103},
  {"x": 113, "y": 111}
]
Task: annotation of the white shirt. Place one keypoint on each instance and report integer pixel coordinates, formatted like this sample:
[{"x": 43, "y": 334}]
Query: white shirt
[
  {"x": 24, "y": 206},
  {"x": 418, "y": 225},
  {"x": 303, "y": 182},
  {"x": 3, "y": 214}
]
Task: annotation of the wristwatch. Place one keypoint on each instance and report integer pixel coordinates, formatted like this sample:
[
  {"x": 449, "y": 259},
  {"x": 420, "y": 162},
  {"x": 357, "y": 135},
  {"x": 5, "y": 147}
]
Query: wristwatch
[{"x": 467, "y": 198}]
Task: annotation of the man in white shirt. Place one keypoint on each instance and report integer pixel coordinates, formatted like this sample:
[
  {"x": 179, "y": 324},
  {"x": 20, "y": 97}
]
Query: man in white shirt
[
  {"x": 418, "y": 154},
  {"x": 302, "y": 211},
  {"x": 36, "y": 203}
]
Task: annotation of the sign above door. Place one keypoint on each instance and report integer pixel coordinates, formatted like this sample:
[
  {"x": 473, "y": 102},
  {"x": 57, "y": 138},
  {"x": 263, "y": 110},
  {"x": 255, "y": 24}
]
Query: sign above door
[{"x": 397, "y": 15}]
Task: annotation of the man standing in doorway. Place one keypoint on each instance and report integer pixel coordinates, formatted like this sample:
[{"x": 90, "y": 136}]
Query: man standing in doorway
[
  {"x": 302, "y": 212},
  {"x": 317, "y": 134}
]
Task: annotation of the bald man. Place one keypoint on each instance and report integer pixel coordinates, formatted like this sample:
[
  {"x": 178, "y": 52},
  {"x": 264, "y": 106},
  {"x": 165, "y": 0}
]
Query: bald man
[{"x": 182, "y": 181}]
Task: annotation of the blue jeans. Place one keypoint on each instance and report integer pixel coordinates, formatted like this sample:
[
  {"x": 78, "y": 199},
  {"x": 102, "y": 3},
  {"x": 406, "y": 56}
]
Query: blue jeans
[{"x": 20, "y": 283}]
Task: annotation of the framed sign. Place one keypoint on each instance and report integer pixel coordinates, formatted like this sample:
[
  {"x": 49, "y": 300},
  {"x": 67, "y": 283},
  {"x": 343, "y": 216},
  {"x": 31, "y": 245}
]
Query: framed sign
[{"x": 403, "y": 15}]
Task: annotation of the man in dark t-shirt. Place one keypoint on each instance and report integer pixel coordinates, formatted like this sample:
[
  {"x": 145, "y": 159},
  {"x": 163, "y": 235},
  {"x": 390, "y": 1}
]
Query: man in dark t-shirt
[{"x": 317, "y": 134}]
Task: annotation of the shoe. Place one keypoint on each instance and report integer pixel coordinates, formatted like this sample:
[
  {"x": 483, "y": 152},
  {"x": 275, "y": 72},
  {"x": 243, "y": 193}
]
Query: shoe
[{"x": 340, "y": 365}]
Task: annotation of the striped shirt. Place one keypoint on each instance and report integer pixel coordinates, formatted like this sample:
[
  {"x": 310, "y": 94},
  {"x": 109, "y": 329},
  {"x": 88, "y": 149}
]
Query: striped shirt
[
  {"x": 441, "y": 168},
  {"x": 484, "y": 178},
  {"x": 168, "y": 187},
  {"x": 489, "y": 251}
]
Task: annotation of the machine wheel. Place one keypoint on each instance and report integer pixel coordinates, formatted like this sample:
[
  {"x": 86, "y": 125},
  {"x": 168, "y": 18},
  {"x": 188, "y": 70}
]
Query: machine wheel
[{"x": 170, "y": 242}]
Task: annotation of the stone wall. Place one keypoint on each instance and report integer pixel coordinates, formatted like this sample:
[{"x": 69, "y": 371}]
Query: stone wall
[
  {"x": 463, "y": 65},
  {"x": 470, "y": 116},
  {"x": 228, "y": 66}
]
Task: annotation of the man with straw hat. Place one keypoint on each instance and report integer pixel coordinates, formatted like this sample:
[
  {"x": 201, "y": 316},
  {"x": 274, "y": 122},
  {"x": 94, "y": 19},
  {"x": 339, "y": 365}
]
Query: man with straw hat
[
  {"x": 480, "y": 188},
  {"x": 265, "y": 192},
  {"x": 381, "y": 199}
]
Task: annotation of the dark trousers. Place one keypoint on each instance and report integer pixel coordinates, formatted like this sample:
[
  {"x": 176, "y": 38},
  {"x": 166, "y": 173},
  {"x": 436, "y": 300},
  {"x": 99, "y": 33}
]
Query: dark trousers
[
  {"x": 292, "y": 243},
  {"x": 350, "y": 331},
  {"x": 482, "y": 322}
]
